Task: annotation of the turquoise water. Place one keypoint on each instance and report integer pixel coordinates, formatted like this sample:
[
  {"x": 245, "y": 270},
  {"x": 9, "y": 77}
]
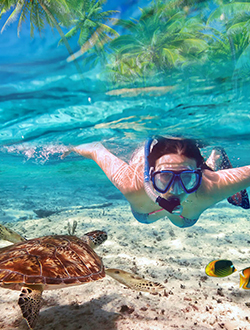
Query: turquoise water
[{"x": 45, "y": 106}]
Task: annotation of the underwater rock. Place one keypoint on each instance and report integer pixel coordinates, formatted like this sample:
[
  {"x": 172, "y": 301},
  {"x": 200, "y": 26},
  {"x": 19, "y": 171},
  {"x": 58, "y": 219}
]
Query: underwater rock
[
  {"x": 43, "y": 213},
  {"x": 126, "y": 309},
  {"x": 96, "y": 206}
]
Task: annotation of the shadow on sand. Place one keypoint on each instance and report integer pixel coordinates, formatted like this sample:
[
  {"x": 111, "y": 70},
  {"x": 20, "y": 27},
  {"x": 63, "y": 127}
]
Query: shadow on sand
[{"x": 88, "y": 316}]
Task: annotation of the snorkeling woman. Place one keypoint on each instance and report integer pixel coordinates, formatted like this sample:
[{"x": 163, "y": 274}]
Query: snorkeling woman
[{"x": 169, "y": 177}]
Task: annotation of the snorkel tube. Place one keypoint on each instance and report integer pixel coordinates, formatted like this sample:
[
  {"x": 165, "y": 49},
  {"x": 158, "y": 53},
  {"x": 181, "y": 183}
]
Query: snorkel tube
[{"x": 171, "y": 204}]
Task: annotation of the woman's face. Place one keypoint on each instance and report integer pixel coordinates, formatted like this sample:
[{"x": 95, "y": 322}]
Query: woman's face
[{"x": 175, "y": 162}]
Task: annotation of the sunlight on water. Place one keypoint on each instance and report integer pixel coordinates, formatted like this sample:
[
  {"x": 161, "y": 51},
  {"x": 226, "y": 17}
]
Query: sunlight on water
[{"x": 41, "y": 155}]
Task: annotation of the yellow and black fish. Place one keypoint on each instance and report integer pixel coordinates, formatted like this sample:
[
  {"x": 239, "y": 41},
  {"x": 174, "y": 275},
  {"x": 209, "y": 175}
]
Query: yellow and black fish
[
  {"x": 244, "y": 278},
  {"x": 220, "y": 268}
]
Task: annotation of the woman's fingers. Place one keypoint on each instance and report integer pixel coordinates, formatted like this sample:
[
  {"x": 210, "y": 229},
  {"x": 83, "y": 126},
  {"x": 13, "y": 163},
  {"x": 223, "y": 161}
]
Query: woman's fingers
[{"x": 65, "y": 154}]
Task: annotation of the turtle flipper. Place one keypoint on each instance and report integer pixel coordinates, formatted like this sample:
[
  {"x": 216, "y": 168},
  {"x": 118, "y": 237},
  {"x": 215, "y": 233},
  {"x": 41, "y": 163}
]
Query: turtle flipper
[
  {"x": 10, "y": 235},
  {"x": 30, "y": 303},
  {"x": 133, "y": 281}
]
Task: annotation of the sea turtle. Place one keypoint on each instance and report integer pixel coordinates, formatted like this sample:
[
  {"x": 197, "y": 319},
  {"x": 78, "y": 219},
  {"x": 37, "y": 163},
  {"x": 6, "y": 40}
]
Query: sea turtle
[{"x": 57, "y": 261}]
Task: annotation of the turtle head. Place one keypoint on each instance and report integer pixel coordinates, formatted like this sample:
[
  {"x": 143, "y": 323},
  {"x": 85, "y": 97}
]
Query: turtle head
[{"x": 95, "y": 238}]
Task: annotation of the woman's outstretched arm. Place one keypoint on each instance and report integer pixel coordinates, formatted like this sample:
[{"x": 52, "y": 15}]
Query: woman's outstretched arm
[
  {"x": 224, "y": 183},
  {"x": 127, "y": 178}
]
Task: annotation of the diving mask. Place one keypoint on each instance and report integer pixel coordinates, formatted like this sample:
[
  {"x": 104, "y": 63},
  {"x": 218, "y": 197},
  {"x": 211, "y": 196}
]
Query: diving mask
[{"x": 189, "y": 180}]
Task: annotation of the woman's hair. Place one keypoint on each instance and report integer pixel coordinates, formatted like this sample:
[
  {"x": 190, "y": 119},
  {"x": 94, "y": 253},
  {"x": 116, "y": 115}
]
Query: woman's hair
[{"x": 186, "y": 147}]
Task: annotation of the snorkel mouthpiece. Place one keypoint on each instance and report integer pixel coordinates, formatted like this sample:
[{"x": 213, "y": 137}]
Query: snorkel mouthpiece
[{"x": 171, "y": 204}]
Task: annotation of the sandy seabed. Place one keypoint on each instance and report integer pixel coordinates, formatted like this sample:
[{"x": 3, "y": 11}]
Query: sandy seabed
[{"x": 160, "y": 252}]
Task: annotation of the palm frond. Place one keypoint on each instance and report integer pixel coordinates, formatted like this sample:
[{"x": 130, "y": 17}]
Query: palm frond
[
  {"x": 85, "y": 5},
  {"x": 89, "y": 23},
  {"x": 237, "y": 29},
  {"x": 32, "y": 29},
  {"x": 102, "y": 2},
  {"x": 106, "y": 14},
  {"x": 5, "y": 5},
  {"x": 194, "y": 45},
  {"x": 127, "y": 24},
  {"x": 174, "y": 26},
  {"x": 224, "y": 13},
  {"x": 13, "y": 15},
  {"x": 22, "y": 18},
  {"x": 59, "y": 10},
  {"x": 83, "y": 37},
  {"x": 124, "y": 41},
  {"x": 172, "y": 56},
  {"x": 37, "y": 17},
  {"x": 107, "y": 29},
  {"x": 243, "y": 65},
  {"x": 72, "y": 32},
  {"x": 192, "y": 25}
]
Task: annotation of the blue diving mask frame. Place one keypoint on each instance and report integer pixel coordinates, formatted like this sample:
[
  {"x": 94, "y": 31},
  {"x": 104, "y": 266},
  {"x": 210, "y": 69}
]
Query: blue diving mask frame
[
  {"x": 190, "y": 180},
  {"x": 172, "y": 203}
]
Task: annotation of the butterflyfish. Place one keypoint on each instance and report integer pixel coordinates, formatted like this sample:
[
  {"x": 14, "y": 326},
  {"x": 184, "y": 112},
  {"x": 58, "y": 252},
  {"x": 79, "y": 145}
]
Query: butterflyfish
[
  {"x": 220, "y": 268},
  {"x": 244, "y": 278}
]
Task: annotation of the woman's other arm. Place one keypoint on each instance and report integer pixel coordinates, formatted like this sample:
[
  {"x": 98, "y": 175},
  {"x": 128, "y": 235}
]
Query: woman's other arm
[{"x": 224, "y": 183}]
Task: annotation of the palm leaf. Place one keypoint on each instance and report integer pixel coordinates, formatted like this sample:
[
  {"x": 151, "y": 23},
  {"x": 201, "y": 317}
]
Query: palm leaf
[
  {"x": 47, "y": 16},
  {"x": 243, "y": 64},
  {"x": 6, "y": 5},
  {"x": 237, "y": 29},
  {"x": 37, "y": 17},
  {"x": 83, "y": 37},
  {"x": 194, "y": 45},
  {"x": 107, "y": 29},
  {"x": 89, "y": 23},
  {"x": 227, "y": 12},
  {"x": 123, "y": 41},
  {"x": 126, "y": 24},
  {"x": 69, "y": 34},
  {"x": 173, "y": 56},
  {"x": 59, "y": 7},
  {"x": 192, "y": 25},
  {"x": 22, "y": 18},
  {"x": 175, "y": 26},
  {"x": 106, "y": 14},
  {"x": 14, "y": 14},
  {"x": 101, "y": 2},
  {"x": 32, "y": 29},
  {"x": 85, "y": 5}
]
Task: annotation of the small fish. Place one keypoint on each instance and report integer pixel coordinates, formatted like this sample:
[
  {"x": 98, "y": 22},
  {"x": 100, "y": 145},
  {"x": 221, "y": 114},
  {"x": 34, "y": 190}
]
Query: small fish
[
  {"x": 244, "y": 278},
  {"x": 220, "y": 268}
]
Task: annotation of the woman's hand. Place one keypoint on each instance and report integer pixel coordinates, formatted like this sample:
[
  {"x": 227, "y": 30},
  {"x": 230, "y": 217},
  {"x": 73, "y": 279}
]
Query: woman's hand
[
  {"x": 66, "y": 153},
  {"x": 87, "y": 150}
]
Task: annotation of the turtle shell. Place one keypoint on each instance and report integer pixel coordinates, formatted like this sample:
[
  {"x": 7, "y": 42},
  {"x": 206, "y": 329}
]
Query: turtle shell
[{"x": 52, "y": 261}]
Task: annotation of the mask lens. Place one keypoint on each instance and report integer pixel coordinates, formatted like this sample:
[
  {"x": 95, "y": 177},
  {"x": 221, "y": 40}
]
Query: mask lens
[
  {"x": 162, "y": 180},
  {"x": 189, "y": 180}
]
